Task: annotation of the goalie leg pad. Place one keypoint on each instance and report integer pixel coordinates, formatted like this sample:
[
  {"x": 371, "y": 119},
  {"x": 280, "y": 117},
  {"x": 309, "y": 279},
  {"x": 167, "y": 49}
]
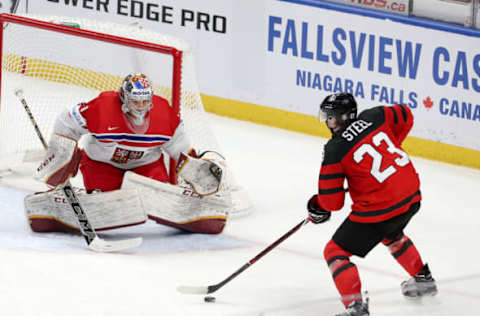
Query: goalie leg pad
[
  {"x": 212, "y": 225},
  {"x": 50, "y": 211},
  {"x": 179, "y": 207},
  {"x": 50, "y": 225}
]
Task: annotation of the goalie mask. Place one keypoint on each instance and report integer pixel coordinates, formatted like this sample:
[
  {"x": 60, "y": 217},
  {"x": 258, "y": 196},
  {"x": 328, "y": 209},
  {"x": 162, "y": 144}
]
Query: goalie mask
[{"x": 136, "y": 95}]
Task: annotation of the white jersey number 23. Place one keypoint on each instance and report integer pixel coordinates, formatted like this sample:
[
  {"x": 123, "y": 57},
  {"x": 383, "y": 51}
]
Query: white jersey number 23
[{"x": 377, "y": 139}]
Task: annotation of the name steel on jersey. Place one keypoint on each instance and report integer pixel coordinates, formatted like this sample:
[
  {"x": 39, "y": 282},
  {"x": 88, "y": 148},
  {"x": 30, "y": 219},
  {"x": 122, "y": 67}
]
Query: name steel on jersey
[{"x": 355, "y": 129}]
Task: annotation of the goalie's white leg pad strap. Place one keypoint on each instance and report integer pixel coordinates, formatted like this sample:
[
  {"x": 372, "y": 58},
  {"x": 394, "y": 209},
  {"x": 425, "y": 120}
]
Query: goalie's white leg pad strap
[
  {"x": 180, "y": 207},
  {"x": 50, "y": 211}
]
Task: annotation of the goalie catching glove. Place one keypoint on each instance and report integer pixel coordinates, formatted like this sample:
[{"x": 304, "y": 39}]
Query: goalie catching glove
[
  {"x": 61, "y": 161},
  {"x": 316, "y": 214},
  {"x": 204, "y": 175}
]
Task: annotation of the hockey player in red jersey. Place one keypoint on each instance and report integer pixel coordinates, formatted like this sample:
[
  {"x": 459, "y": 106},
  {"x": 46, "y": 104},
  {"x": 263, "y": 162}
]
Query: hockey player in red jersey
[
  {"x": 126, "y": 131},
  {"x": 385, "y": 190}
]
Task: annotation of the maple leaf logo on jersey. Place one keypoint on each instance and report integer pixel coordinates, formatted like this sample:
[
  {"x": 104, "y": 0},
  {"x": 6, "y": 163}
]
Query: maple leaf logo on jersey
[{"x": 428, "y": 103}]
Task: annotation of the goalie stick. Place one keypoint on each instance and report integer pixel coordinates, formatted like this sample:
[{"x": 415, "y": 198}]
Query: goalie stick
[
  {"x": 213, "y": 288},
  {"x": 94, "y": 242}
]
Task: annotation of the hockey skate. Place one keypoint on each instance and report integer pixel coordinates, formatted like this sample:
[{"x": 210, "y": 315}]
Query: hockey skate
[
  {"x": 421, "y": 284},
  {"x": 356, "y": 308}
]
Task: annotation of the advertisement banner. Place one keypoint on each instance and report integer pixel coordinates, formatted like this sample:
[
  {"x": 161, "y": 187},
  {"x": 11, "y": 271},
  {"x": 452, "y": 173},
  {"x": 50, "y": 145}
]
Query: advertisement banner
[
  {"x": 395, "y": 6},
  {"x": 206, "y": 25},
  {"x": 288, "y": 56},
  {"x": 437, "y": 74},
  {"x": 452, "y": 11}
]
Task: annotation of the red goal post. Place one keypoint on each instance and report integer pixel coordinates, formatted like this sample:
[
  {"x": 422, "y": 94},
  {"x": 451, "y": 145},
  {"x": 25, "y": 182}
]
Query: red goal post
[
  {"x": 175, "y": 53},
  {"x": 60, "y": 61}
]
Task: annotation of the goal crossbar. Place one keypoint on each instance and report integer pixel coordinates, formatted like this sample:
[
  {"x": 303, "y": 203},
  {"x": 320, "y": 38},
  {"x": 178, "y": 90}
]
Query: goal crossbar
[{"x": 175, "y": 53}]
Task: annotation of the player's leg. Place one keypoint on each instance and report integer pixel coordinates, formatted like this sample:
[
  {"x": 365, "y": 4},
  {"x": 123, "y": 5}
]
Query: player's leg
[
  {"x": 351, "y": 238},
  {"x": 406, "y": 254},
  {"x": 400, "y": 245},
  {"x": 50, "y": 212},
  {"x": 100, "y": 176},
  {"x": 155, "y": 170},
  {"x": 178, "y": 207},
  {"x": 344, "y": 273}
]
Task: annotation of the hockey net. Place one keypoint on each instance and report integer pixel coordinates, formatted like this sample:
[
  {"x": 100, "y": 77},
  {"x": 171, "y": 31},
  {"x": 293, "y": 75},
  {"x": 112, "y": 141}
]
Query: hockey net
[{"x": 60, "y": 61}]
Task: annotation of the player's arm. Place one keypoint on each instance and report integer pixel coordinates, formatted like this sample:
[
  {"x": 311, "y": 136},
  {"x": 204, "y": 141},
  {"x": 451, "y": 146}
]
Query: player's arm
[
  {"x": 204, "y": 173},
  {"x": 72, "y": 122},
  {"x": 331, "y": 194},
  {"x": 179, "y": 144},
  {"x": 400, "y": 119}
]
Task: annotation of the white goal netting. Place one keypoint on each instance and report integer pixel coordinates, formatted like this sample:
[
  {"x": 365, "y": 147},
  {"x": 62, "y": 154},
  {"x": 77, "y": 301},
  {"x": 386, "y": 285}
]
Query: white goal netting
[{"x": 58, "y": 69}]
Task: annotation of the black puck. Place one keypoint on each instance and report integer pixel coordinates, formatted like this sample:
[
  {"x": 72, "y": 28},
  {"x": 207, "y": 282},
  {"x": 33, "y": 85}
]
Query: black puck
[{"x": 209, "y": 299}]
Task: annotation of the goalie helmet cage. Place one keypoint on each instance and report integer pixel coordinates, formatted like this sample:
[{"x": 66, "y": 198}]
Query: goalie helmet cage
[{"x": 60, "y": 61}]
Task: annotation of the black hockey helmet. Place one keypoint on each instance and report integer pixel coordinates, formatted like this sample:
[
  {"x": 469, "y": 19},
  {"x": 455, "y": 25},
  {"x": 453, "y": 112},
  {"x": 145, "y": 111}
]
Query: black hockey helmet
[{"x": 340, "y": 105}]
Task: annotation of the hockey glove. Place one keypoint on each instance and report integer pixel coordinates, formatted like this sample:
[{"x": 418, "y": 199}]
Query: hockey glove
[
  {"x": 205, "y": 176},
  {"x": 316, "y": 214}
]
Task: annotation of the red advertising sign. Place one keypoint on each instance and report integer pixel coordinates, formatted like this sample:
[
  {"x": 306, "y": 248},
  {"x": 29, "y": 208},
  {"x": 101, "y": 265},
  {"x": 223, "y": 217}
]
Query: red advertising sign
[{"x": 396, "y": 6}]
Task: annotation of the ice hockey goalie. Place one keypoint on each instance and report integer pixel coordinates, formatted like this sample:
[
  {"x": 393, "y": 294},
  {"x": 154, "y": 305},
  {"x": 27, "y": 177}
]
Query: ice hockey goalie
[{"x": 122, "y": 166}]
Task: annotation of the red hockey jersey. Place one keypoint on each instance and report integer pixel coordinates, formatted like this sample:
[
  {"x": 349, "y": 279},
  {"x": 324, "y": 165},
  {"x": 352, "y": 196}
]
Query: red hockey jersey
[
  {"x": 381, "y": 178},
  {"x": 111, "y": 138}
]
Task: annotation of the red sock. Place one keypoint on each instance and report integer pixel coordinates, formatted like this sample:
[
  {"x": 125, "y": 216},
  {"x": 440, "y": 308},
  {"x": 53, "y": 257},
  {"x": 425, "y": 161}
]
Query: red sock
[
  {"x": 404, "y": 251},
  {"x": 344, "y": 273}
]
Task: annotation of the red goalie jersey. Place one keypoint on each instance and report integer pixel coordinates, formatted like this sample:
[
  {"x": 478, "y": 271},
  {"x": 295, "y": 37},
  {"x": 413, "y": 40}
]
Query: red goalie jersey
[
  {"x": 381, "y": 179},
  {"x": 111, "y": 137}
]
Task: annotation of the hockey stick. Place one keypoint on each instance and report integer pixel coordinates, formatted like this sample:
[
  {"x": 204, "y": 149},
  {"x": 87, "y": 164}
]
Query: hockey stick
[
  {"x": 212, "y": 288},
  {"x": 94, "y": 242}
]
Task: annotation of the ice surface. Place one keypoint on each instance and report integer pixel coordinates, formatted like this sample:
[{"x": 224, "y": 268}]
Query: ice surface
[{"x": 55, "y": 274}]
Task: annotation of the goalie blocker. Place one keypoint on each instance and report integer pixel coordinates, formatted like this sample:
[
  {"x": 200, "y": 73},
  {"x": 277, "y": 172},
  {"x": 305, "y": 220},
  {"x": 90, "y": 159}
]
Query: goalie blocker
[
  {"x": 61, "y": 161},
  {"x": 138, "y": 199}
]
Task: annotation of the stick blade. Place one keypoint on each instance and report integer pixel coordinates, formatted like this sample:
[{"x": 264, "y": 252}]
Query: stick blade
[
  {"x": 100, "y": 245},
  {"x": 199, "y": 290}
]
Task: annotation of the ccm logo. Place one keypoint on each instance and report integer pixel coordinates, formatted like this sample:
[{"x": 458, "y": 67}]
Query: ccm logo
[
  {"x": 46, "y": 162},
  {"x": 191, "y": 193},
  {"x": 59, "y": 200}
]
